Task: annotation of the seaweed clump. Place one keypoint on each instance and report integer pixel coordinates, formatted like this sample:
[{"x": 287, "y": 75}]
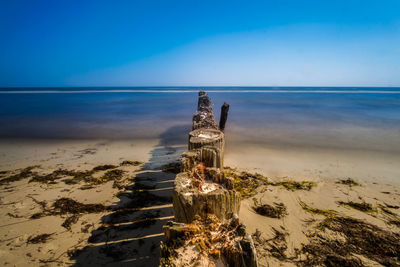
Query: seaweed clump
[
  {"x": 359, "y": 238},
  {"x": 294, "y": 185},
  {"x": 24, "y": 173},
  {"x": 38, "y": 239},
  {"x": 247, "y": 183},
  {"x": 64, "y": 206},
  {"x": 307, "y": 208},
  {"x": 67, "y": 205},
  {"x": 205, "y": 240},
  {"x": 108, "y": 176},
  {"x": 387, "y": 211},
  {"x": 278, "y": 210},
  {"x": 350, "y": 182},
  {"x": 361, "y": 206},
  {"x": 51, "y": 177},
  {"x": 70, "y": 221},
  {"x": 244, "y": 182},
  {"x": 275, "y": 246},
  {"x": 104, "y": 167},
  {"x": 131, "y": 162},
  {"x": 392, "y": 206},
  {"x": 78, "y": 176}
]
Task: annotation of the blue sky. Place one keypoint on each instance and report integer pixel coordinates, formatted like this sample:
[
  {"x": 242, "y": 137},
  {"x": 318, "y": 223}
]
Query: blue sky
[{"x": 200, "y": 43}]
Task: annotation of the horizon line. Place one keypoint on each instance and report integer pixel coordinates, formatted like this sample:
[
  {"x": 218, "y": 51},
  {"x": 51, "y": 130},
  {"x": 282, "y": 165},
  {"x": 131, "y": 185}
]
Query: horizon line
[
  {"x": 195, "y": 91},
  {"x": 193, "y": 86}
]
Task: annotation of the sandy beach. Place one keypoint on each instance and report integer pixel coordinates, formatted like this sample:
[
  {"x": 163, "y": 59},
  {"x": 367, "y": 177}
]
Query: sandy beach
[
  {"x": 200, "y": 133},
  {"x": 128, "y": 230}
]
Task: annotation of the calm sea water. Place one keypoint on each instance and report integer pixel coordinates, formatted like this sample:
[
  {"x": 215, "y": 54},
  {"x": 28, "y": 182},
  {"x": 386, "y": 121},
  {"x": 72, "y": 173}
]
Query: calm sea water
[{"x": 358, "y": 118}]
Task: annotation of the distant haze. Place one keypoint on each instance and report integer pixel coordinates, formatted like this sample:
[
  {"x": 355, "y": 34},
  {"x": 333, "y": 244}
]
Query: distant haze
[{"x": 199, "y": 43}]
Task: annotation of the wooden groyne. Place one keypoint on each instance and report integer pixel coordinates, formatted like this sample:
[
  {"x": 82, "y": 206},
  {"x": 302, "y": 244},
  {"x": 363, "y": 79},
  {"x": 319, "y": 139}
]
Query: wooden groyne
[{"x": 206, "y": 230}]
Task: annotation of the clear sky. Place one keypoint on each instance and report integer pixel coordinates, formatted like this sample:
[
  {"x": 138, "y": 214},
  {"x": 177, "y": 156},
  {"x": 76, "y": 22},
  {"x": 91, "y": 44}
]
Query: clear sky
[{"x": 188, "y": 42}]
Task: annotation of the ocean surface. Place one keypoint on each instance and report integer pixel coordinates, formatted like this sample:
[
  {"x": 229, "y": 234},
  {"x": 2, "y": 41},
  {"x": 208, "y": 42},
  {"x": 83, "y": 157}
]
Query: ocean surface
[{"x": 343, "y": 118}]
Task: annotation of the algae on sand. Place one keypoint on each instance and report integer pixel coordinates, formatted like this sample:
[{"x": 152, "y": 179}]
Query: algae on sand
[
  {"x": 104, "y": 167},
  {"x": 244, "y": 182},
  {"x": 278, "y": 210},
  {"x": 275, "y": 246},
  {"x": 294, "y": 185},
  {"x": 68, "y": 205},
  {"x": 337, "y": 240},
  {"x": 361, "y": 206},
  {"x": 24, "y": 173},
  {"x": 38, "y": 239},
  {"x": 79, "y": 176},
  {"x": 387, "y": 211},
  {"x": 70, "y": 221},
  {"x": 350, "y": 182},
  {"x": 307, "y": 208},
  {"x": 51, "y": 177},
  {"x": 131, "y": 162},
  {"x": 361, "y": 238},
  {"x": 109, "y": 175},
  {"x": 247, "y": 183},
  {"x": 71, "y": 207}
]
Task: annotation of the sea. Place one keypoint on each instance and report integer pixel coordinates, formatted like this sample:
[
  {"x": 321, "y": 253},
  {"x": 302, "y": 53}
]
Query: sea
[{"x": 366, "y": 118}]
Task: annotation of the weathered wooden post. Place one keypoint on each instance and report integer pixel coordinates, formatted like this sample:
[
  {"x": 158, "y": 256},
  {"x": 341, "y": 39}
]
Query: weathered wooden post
[
  {"x": 206, "y": 137},
  {"x": 202, "y": 190},
  {"x": 211, "y": 143},
  {"x": 224, "y": 116},
  {"x": 204, "y": 117}
]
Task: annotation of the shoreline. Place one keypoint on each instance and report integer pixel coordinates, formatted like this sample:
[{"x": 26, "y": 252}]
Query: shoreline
[{"x": 295, "y": 162}]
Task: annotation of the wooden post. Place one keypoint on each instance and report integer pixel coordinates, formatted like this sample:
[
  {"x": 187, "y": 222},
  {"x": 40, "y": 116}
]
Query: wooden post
[
  {"x": 204, "y": 117},
  {"x": 224, "y": 116},
  {"x": 210, "y": 143},
  {"x": 202, "y": 165}
]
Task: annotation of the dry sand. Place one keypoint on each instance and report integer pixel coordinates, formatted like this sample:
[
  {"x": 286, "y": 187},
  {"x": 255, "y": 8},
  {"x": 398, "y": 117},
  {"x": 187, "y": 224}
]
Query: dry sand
[{"x": 133, "y": 237}]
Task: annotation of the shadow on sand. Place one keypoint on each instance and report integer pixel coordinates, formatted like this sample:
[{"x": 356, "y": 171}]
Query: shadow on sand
[{"x": 131, "y": 234}]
